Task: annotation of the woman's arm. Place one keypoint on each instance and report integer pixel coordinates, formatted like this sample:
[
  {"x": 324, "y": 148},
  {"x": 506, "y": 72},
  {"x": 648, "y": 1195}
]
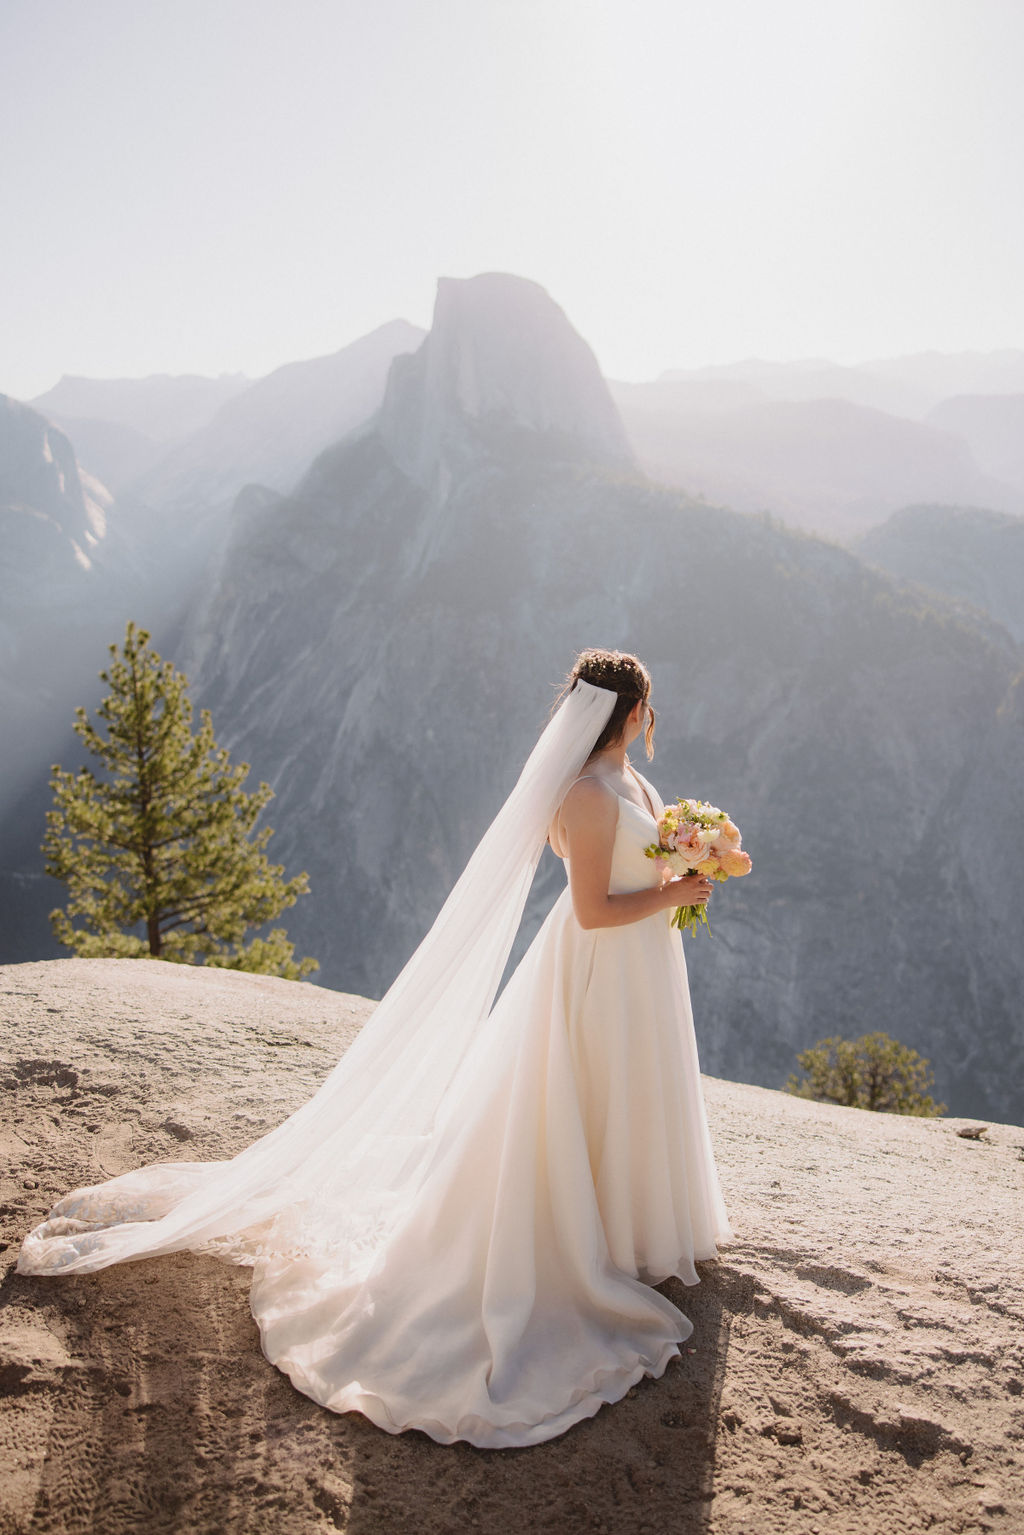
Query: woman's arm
[{"x": 588, "y": 819}]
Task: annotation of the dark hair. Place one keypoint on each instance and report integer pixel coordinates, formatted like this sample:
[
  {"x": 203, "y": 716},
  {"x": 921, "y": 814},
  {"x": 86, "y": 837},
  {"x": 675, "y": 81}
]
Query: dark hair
[{"x": 623, "y": 674}]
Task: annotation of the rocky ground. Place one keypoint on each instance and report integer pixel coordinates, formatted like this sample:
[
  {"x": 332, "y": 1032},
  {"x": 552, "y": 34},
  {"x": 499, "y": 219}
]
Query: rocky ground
[{"x": 857, "y": 1363}]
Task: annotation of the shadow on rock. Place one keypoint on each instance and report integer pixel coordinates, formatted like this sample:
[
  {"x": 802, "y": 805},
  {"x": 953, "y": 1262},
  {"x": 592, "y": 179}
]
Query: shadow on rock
[{"x": 644, "y": 1463}]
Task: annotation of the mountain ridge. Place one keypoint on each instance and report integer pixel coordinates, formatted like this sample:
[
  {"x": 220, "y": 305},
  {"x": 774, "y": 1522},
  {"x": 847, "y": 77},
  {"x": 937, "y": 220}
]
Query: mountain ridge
[
  {"x": 418, "y": 627},
  {"x": 388, "y": 632},
  {"x": 969, "y": 554},
  {"x": 500, "y": 352}
]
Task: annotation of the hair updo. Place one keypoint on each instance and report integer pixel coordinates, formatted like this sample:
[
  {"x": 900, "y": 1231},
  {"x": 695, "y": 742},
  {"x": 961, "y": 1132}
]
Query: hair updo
[{"x": 623, "y": 674}]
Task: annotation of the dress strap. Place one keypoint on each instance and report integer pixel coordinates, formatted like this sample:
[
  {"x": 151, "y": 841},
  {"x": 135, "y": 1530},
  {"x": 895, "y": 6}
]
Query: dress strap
[
  {"x": 641, "y": 784},
  {"x": 598, "y": 779}
]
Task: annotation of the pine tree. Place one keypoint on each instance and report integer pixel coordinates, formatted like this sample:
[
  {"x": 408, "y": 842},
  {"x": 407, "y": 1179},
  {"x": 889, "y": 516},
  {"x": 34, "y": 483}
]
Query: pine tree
[
  {"x": 159, "y": 852},
  {"x": 872, "y": 1072}
]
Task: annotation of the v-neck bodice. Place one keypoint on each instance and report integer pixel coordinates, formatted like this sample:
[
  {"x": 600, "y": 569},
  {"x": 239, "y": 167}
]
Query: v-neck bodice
[
  {"x": 635, "y": 830},
  {"x": 647, "y": 790}
]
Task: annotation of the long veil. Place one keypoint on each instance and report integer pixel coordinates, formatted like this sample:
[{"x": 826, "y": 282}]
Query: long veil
[{"x": 333, "y": 1176}]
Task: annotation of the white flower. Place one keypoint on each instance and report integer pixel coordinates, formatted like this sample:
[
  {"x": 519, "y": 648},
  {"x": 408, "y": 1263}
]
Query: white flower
[{"x": 676, "y": 862}]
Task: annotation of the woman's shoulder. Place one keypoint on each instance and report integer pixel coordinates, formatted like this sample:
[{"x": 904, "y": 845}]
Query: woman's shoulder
[
  {"x": 588, "y": 802},
  {"x": 588, "y": 789},
  {"x": 589, "y": 797}
]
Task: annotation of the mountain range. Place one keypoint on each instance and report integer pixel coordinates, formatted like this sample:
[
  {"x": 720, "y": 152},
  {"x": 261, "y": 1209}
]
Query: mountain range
[
  {"x": 827, "y": 464},
  {"x": 380, "y": 639}
]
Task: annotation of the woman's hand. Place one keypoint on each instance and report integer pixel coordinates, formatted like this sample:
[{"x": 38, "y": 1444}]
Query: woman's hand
[{"x": 689, "y": 890}]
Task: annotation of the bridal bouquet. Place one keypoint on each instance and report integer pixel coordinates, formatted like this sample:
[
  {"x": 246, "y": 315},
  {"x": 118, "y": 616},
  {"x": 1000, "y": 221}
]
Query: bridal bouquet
[{"x": 697, "y": 838}]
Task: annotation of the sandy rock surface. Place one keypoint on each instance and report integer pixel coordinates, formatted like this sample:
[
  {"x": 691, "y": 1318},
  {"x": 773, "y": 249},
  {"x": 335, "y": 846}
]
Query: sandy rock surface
[{"x": 858, "y": 1352}]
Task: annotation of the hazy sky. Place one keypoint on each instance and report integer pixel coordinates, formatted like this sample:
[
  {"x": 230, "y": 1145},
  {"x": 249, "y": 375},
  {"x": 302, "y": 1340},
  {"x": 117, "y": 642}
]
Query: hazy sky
[{"x": 226, "y": 185}]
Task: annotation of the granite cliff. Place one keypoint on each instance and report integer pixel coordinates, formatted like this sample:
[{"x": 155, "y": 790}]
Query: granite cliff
[
  {"x": 382, "y": 645},
  {"x": 54, "y": 531},
  {"x": 76, "y": 563},
  {"x": 970, "y": 554},
  {"x": 855, "y": 1366}
]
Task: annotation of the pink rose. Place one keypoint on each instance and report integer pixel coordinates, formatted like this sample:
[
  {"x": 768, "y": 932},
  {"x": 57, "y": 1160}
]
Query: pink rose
[{"x": 693, "y": 842}]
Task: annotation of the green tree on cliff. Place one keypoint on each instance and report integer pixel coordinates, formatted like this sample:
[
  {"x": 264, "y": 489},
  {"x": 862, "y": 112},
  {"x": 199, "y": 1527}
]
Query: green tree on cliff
[
  {"x": 872, "y": 1072},
  {"x": 158, "y": 850}
]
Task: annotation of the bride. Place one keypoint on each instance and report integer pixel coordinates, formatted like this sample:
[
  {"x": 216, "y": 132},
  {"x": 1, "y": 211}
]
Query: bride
[{"x": 459, "y": 1232}]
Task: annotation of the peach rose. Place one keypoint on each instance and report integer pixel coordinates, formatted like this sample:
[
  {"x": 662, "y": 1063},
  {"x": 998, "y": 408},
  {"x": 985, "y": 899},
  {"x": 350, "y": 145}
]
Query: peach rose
[
  {"x": 735, "y": 862},
  {"x": 693, "y": 843},
  {"x": 727, "y": 835}
]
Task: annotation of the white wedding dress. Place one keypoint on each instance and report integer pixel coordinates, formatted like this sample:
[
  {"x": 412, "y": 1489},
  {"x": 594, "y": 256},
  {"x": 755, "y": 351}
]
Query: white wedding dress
[{"x": 493, "y": 1283}]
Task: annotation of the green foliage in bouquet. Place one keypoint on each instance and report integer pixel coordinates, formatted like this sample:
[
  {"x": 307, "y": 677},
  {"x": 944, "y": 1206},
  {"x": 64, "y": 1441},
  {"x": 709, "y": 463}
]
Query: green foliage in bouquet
[
  {"x": 872, "y": 1072},
  {"x": 159, "y": 851}
]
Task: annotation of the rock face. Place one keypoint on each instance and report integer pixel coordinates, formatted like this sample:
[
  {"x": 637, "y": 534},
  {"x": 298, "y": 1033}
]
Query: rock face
[
  {"x": 74, "y": 568},
  {"x": 56, "y": 587},
  {"x": 44, "y": 498},
  {"x": 382, "y": 647},
  {"x": 501, "y": 359},
  {"x": 267, "y": 434},
  {"x": 53, "y": 528},
  {"x": 856, "y": 1358},
  {"x": 181, "y": 450},
  {"x": 116, "y": 454},
  {"x": 272, "y": 431},
  {"x": 968, "y": 553}
]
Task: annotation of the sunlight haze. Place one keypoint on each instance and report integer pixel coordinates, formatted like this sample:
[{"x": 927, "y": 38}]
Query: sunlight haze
[{"x": 225, "y": 187}]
